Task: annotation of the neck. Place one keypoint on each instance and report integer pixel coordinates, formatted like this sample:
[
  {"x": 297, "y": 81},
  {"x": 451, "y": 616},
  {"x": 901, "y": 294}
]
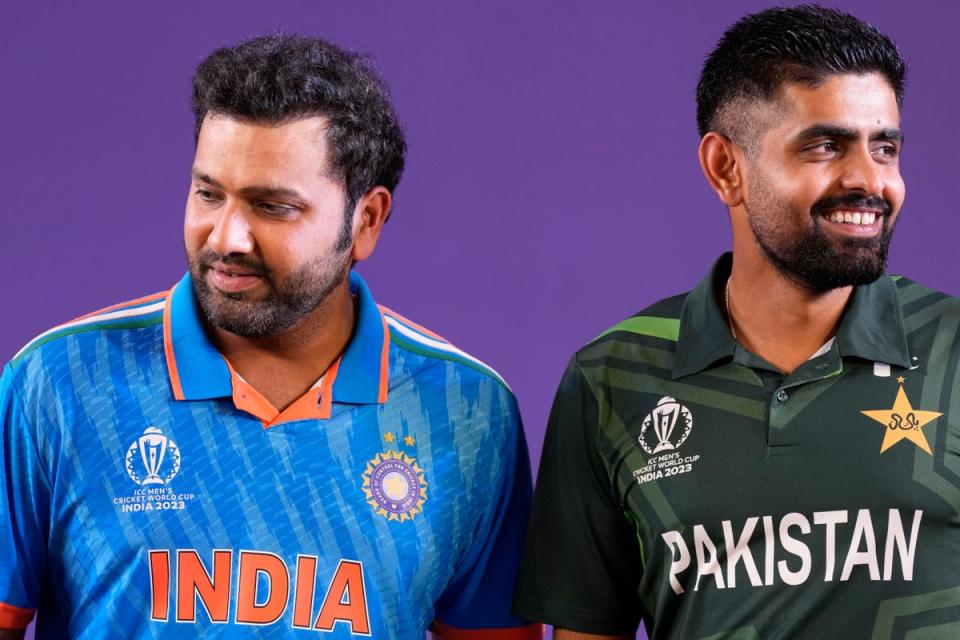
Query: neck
[
  {"x": 777, "y": 318},
  {"x": 283, "y": 367}
]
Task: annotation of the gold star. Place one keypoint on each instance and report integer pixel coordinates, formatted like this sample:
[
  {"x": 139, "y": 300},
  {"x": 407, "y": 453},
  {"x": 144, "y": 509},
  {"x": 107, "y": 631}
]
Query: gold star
[
  {"x": 410, "y": 441},
  {"x": 901, "y": 379},
  {"x": 389, "y": 437},
  {"x": 903, "y": 422}
]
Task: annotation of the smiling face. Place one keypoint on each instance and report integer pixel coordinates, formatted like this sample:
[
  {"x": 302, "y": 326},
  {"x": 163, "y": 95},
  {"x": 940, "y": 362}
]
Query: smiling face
[
  {"x": 822, "y": 188},
  {"x": 264, "y": 230}
]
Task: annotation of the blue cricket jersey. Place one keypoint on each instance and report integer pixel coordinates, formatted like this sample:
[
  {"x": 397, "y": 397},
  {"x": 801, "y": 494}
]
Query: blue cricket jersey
[{"x": 148, "y": 491}]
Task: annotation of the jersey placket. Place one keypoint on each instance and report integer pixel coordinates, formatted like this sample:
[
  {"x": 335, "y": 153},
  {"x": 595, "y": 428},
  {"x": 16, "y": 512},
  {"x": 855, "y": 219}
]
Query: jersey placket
[{"x": 787, "y": 396}]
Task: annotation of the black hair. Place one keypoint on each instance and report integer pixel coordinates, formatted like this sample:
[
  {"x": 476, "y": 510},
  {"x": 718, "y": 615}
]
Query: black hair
[
  {"x": 765, "y": 50},
  {"x": 281, "y": 77}
]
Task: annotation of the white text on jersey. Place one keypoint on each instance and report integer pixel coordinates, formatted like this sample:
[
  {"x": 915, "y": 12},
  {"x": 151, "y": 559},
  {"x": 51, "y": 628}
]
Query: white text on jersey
[{"x": 719, "y": 560}]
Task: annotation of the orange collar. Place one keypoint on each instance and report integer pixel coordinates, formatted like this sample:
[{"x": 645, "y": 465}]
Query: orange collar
[{"x": 199, "y": 372}]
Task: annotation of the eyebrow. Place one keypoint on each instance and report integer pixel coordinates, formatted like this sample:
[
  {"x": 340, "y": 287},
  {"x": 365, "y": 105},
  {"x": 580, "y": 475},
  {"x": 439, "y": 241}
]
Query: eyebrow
[
  {"x": 843, "y": 133},
  {"x": 196, "y": 174},
  {"x": 262, "y": 191}
]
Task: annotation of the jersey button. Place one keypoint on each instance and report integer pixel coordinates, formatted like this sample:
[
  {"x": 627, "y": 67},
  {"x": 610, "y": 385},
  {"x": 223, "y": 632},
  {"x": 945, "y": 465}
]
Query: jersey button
[{"x": 782, "y": 395}]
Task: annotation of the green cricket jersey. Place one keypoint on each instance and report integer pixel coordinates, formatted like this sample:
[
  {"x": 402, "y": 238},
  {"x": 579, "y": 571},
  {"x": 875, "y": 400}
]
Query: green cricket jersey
[{"x": 687, "y": 482}]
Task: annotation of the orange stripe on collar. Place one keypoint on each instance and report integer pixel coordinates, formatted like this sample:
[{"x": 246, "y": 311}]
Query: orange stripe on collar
[{"x": 168, "y": 349}]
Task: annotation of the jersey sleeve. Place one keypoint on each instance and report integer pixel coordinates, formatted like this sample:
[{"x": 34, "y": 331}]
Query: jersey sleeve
[
  {"x": 476, "y": 603},
  {"x": 24, "y": 509},
  {"x": 581, "y": 566}
]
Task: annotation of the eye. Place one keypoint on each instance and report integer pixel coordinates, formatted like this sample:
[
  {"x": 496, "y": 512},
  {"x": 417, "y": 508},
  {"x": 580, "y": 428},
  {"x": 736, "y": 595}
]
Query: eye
[
  {"x": 206, "y": 195},
  {"x": 885, "y": 151},
  {"x": 276, "y": 209},
  {"x": 827, "y": 146},
  {"x": 821, "y": 150}
]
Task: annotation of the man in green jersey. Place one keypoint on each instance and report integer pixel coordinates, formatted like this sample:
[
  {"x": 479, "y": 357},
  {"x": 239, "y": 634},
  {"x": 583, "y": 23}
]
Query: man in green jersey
[{"x": 775, "y": 454}]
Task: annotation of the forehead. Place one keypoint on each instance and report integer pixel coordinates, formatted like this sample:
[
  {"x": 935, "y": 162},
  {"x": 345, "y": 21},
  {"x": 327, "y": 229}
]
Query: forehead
[
  {"x": 857, "y": 102},
  {"x": 284, "y": 152}
]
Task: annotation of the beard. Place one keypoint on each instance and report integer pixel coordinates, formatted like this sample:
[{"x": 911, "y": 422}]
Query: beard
[
  {"x": 811, "y": 257},
  {"x": 288, "y": 299}
]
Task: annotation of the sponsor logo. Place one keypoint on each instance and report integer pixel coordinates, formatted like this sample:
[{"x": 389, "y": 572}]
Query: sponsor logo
[
  {"x": 395, "y": 486},
  {"x": 662, "y": 432},
  {"x": 903, "y": 422},
  {"x": 152, "y": 462}
]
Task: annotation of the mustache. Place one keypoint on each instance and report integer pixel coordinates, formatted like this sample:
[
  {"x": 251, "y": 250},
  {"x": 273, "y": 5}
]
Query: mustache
[
  {"x": 851, "y": 201},
  {"x": 207, "y": 258}
]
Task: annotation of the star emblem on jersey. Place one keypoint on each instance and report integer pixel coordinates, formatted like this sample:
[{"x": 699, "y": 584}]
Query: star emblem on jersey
[
  {"x": 152, "y": 459},
  {"x": 395, "y": 486},
  {"x": 903, "y": 422}
]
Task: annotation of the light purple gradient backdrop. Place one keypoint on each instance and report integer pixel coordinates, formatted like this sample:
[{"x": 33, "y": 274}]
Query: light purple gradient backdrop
[{"x": 552, "y": 184}]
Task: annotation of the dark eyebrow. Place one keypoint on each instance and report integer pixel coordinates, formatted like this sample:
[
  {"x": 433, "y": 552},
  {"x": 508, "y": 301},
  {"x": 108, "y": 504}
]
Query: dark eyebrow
[
  {"x": 260, "y": 191},
  {"x": 843, "y": 133},
  {"x": 257, "y": 191},
  {"x": 826, "y": 131},
  {"x": 888, "y": 134},
  {"x": 202, "y": 177}
]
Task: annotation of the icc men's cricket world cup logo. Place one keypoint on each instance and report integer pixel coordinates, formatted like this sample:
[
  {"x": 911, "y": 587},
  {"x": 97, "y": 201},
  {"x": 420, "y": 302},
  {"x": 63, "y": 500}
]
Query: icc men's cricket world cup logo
[
  {"x": 666, "y": 427},
  {"x": 152, "y": 459}
]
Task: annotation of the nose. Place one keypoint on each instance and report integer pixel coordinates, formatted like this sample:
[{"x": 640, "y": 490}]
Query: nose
[
  {"x": 231, "y": 232},
  {"x": 862, "y": 172}
]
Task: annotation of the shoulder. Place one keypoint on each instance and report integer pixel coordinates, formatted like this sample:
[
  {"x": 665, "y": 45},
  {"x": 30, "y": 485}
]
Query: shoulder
[
  {"x": 425, "y": 351},
  {"x": 409, "y": 336},
  {"x": 81, "y": 338},
  {"x": 647, "y": 337},
  {"x": 919, "y": 301}
]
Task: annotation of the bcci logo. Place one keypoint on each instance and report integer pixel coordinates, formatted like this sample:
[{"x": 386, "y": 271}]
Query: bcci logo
[
  {"x": 152, "y": 459},
  {"x": 394, "y": 486},
  {"x": 666, "y": 427}
]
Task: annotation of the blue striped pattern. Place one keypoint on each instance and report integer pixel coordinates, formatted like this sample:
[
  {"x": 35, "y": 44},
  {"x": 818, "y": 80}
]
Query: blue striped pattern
[{"x": 73, "y": 404}]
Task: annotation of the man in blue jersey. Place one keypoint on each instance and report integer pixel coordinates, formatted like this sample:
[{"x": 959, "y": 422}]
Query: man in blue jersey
[{"x": 263, "y": 451}]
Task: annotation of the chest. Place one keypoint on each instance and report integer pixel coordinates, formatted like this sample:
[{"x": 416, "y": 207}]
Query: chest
[
  {"x": 181, "y": 499},
  {"x": 719, "y": 452}
]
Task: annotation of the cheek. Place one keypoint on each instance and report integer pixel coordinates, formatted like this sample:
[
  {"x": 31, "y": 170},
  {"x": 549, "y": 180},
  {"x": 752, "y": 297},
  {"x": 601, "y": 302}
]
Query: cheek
[
  {"x": 285, "y": 255},
  {"x": 195, "y": 232},
  {"x": 896, "y": 192},
  {"x": 807, "y": 189}
]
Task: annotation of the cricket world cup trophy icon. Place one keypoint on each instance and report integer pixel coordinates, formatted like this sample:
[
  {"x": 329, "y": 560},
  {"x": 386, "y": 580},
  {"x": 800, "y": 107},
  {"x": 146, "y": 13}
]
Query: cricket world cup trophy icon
[
  {"x": 666, "y": 427},
  {"x": 153, "y": 458}
]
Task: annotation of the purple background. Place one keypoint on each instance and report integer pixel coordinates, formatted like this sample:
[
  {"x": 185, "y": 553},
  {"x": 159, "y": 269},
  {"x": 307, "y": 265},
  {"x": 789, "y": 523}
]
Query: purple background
[{"x": 552, "y": 186}]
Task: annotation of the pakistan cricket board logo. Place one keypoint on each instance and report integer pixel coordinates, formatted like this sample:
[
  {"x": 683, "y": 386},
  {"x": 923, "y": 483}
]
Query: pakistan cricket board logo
[
  {"x": 666, "y": 427},
  {"x": 152, "y": 459}
]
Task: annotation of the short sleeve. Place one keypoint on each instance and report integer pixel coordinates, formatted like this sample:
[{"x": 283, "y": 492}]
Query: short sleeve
[
  {"x": 581, "y": 565},
  {"x": 476, "y": 603},
  {"x": 24, "y": 509}
]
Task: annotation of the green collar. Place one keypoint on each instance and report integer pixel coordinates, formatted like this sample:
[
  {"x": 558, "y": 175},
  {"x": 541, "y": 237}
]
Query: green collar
[{"x": 872, "y": 327}]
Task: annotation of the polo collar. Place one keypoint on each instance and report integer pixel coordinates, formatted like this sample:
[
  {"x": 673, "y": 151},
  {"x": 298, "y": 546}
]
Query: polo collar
[
  {"x": 198, "y": 371},
  {"x": 871, "y": 328},
  {"x": 704, "y": 336}
]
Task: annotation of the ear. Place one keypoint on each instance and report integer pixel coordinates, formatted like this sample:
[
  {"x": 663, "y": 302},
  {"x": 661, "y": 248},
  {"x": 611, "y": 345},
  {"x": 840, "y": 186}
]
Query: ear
[
  {"x": 722, "y": 162},
  {"x": 369, "y": 216}
]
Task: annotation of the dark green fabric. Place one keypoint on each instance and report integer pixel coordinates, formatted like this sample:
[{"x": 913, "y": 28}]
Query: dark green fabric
[{"x": 756, "y": 456}]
